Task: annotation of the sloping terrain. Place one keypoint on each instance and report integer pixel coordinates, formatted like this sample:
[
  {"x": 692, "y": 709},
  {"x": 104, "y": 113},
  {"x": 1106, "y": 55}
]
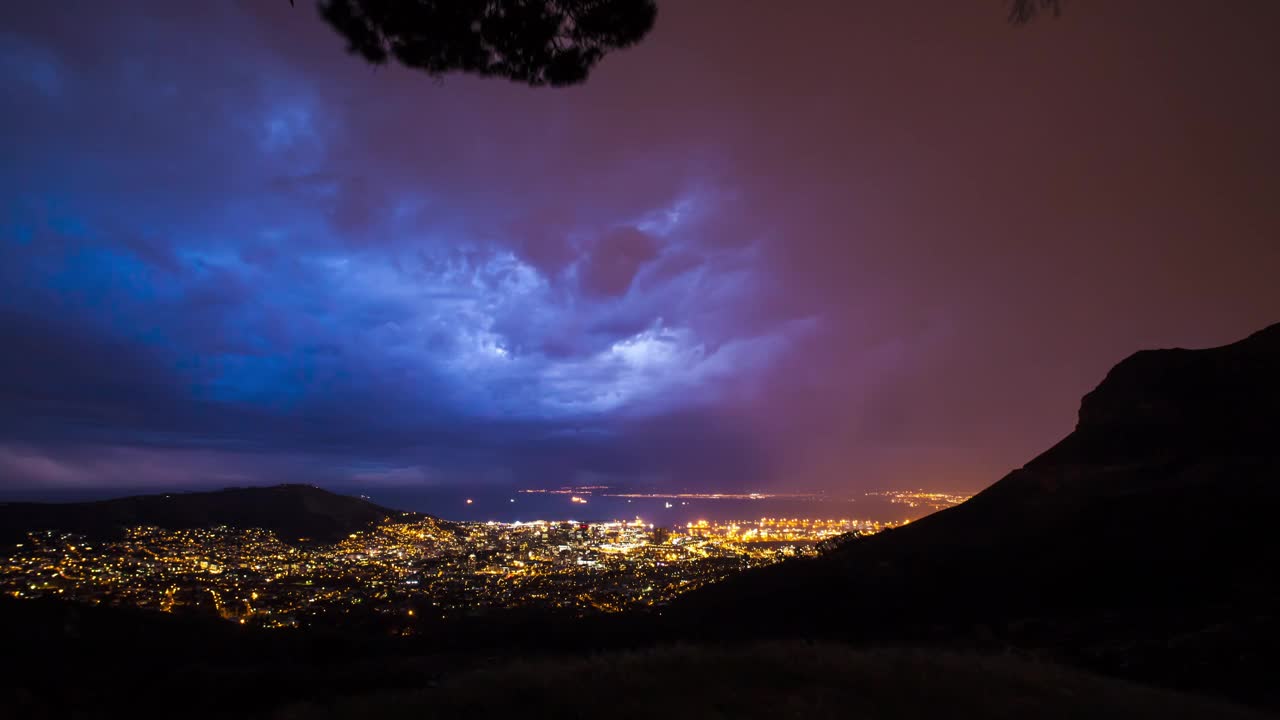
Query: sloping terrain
[
  {"x": 780, "y": 680},
  {"x": 65, "y": 660},
  {"x": 1142, "y": 544},
  {"x": 293, "y": 512}
]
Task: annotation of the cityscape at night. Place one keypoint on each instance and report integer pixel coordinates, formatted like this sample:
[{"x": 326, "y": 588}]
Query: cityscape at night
[
  {"x": 402, "y": 570},
  {"x": 639, "y": 359}
]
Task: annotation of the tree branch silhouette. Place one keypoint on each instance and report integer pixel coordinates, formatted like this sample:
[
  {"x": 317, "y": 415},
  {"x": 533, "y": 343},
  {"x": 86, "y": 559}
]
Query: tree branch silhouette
[
  {"x": 536, "y": 42},
  {"x": 1022, "y": 12}
]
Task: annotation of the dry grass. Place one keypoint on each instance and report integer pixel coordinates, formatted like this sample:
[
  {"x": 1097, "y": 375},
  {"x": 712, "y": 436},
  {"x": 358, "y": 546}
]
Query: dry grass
[{"x": 787, "y": 680}]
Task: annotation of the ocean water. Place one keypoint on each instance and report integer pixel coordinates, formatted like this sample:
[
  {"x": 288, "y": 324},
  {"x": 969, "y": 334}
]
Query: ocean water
[{"x": 510, "y": 505}]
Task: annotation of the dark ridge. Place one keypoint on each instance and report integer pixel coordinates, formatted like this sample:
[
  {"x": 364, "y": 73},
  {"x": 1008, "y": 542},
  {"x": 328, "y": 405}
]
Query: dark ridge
[
  {"x": 294, "y": 512},
  {"x": 1162, "y": 403},
  {"x": 1141, "y": 544},
  {"x": 138, "y": 664}
]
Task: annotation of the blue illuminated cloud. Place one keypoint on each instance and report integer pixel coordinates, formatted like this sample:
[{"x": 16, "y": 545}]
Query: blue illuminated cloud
[{"x": 209, "y": 262}]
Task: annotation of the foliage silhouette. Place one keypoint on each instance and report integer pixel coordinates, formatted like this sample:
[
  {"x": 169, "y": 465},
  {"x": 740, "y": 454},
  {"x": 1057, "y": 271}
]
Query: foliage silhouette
[
  {"x": 1022, "y": 12},
  {"x": 537, "y": 42}
]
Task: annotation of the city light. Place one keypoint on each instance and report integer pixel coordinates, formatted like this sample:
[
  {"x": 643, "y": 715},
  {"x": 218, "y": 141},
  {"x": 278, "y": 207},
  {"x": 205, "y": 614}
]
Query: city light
[{"x": 251, "y": 576}]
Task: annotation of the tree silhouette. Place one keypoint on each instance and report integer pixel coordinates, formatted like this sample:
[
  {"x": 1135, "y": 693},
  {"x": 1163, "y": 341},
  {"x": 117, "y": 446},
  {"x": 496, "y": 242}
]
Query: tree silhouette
[
  {"x": 1022, "y": 12},
  {"x": 538, "y": 42}
]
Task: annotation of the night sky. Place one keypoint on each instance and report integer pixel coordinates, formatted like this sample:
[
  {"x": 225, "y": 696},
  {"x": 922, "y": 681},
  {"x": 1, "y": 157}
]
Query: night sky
[{"x": 857, "y": 246}]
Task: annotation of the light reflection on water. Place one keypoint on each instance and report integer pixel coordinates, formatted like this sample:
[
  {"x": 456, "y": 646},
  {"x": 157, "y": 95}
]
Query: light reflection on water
[
  {"x": 505, "y": 505},
  {"x": 509, "y": 505}
]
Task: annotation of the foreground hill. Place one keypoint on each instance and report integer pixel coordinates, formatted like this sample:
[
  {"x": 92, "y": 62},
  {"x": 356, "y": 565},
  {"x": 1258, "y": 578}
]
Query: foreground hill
[
  {"x": 1142, "y": 544},
  {"x": 784, "y": 680},
  {"x": 293, "y": 512},
  {"x": 64, "y": 660}
]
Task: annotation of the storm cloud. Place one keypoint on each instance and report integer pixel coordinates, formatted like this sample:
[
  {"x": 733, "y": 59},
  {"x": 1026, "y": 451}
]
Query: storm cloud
[{"x": 852, "y": 247}]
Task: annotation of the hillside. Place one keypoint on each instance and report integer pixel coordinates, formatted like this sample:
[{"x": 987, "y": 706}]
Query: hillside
[
  {"x": 293, "y": 512},
  {"x": 269, "y": 674},
  {"x": 1141, "y": 544},
  {"x": 777, "y": 680}
]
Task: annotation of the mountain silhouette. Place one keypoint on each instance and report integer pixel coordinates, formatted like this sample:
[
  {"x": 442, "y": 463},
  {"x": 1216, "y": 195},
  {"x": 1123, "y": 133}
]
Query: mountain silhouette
[
  {"x": 1142, "y": 544},
  {"x": 293, "y": 512}
]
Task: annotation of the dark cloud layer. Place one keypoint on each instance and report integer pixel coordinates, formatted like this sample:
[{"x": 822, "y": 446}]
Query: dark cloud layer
[{"x": 853, "y": 246}]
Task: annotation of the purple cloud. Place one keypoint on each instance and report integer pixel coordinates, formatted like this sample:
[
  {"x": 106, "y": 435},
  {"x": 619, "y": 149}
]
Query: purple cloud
[{"x": 228, "y": 251}]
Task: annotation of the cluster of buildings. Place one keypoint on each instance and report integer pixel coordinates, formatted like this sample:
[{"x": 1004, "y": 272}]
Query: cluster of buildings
[
  {"x": 783, "y": 531},
  {"x": 921, "y": 498},
  {"x": 425, "y": 568}
]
